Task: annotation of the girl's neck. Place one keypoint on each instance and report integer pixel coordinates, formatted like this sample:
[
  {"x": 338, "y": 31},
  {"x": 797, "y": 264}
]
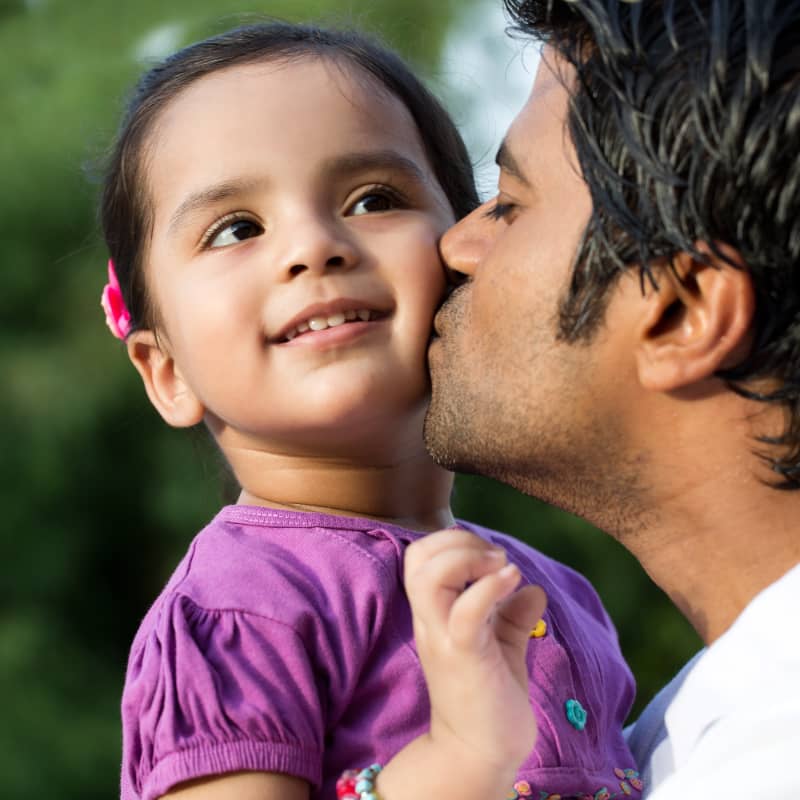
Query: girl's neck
[{"x": 413, "y": 493}]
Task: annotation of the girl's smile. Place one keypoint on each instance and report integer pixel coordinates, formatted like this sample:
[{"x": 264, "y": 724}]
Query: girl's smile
[{"x": 356, "y": 314}]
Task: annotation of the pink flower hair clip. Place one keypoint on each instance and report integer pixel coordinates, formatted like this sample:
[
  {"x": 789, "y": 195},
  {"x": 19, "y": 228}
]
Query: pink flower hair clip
[{"x": 118, "y": 318}]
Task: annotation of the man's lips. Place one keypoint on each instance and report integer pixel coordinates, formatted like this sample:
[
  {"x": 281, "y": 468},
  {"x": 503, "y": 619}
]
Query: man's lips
[
  {"x": 440, "y": 321},
  {"x": 321, "y": 316},
  {"x": 446, "y": 310}
]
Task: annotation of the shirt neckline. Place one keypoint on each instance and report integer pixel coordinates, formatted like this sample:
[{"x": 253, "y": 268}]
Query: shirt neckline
[{"x": 290, "y": 518}]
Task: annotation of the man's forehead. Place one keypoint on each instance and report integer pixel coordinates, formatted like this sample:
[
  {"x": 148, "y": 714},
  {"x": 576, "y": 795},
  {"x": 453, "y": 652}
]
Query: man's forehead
[
  {"x": 543, "y": 112},
  {"x": 550, "y": 74}
]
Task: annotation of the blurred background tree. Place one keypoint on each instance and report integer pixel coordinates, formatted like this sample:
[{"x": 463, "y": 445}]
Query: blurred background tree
[{"x": 100, "y": 499}]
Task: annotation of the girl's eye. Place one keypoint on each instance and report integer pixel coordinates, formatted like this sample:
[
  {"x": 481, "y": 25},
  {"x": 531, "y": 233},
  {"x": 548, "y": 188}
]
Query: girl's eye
[
  {"x": 372, "y": 203},
  {"x": 233, "y": 232}
]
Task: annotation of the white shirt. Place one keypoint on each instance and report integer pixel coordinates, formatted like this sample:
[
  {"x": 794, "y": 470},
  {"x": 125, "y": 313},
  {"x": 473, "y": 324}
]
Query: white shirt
[{"x": 732, "y": 722}]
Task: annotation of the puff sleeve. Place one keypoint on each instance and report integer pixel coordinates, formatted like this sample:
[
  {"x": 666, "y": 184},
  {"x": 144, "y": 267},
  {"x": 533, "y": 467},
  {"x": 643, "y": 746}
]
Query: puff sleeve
[{"x": 216, "y": 691}]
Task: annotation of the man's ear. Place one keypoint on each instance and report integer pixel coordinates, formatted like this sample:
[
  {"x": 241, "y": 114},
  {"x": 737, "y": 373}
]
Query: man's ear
[
  {"x": 163, "y": 382},
  {"x": 697, "y": 322}
]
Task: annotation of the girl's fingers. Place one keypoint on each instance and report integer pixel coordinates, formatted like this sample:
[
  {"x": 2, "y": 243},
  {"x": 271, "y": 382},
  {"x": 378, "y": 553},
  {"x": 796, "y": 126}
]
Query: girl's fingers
[
  {"x": 468, "y": 626},
  {"x": 423, "y": 550},
  {"x": 517, "y": 615},
  {"x": 435, "y": 586},
  {"x": 438, "y": 572}
]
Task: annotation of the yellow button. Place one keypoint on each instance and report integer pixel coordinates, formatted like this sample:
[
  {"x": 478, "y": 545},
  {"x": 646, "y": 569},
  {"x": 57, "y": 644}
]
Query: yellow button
[{"x": 539, "y": 630}]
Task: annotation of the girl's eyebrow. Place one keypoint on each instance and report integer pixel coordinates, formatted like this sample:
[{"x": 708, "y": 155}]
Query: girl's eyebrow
[
  {"x": 387, "y": 160},
  {"x": 207, "y": 197},
  {"x": 337, "y": 167}
]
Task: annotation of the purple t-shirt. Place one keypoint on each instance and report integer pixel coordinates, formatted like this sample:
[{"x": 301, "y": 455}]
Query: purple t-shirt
[{"x": 283, "y": 643}]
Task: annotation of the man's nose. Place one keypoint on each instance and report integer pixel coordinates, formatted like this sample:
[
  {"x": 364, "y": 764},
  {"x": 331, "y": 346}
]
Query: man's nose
[{"x": 464, "y": 246}]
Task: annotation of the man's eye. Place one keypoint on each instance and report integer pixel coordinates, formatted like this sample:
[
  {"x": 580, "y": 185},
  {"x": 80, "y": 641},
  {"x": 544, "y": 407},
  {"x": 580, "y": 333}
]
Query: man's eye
[
  {"x": 372, "y": 203},
  {"x": 234, "y": 232},
  {"x": 500, "y": 211}
]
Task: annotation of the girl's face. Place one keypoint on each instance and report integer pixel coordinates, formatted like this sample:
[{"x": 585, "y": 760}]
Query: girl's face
[{"x": 293, "y": 260}]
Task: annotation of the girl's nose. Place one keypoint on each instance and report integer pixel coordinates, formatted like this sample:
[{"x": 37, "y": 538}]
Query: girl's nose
[
  {"x": 310, "y": 264},
  {"x": 318, "y": 247}
]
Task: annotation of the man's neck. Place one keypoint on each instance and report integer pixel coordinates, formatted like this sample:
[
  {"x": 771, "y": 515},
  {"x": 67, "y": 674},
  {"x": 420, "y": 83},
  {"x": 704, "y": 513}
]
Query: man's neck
[{"x": 716, "y": 542}]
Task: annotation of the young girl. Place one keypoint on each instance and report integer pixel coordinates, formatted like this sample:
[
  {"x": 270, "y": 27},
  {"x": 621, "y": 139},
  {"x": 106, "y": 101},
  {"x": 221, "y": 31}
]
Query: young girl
[{"x": 272, "y": 208}]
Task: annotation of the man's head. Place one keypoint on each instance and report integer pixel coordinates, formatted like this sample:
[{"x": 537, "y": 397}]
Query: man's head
[{"x": 649, "y": 193}]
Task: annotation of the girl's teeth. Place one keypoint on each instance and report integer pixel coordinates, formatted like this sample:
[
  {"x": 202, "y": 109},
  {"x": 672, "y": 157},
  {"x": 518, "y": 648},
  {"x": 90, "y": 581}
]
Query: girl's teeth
[
  {"x": 321, "y": 323},
  {"x": 335, "y": 319}
]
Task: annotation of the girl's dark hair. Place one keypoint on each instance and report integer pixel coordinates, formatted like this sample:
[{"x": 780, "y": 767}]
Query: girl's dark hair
[
  {"x": 125, "y": 210},
  {"x": 685, "y": 116}
]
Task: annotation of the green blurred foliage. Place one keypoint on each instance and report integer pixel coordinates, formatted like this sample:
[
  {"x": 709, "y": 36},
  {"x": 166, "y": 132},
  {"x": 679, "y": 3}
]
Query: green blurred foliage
[{"x": 99, "y": 498}]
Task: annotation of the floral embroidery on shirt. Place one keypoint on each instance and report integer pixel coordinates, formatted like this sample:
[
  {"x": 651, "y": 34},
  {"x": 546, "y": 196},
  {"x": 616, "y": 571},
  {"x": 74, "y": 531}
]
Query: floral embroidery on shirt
[{"x": 630, "y": 782}]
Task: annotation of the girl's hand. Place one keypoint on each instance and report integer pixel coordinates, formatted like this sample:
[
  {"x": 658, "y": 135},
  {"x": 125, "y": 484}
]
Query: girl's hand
[{"x": 472, "y": 631}]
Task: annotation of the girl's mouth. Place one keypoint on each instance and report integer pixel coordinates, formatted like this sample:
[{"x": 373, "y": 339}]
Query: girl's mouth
[{"x": 321, "y": 323}]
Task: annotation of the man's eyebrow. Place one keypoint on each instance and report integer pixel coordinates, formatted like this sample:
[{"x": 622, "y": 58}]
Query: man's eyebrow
[
  {"x": 208, "y": 196},
  {"x": 506, "y": 161},
  {"x": 374, "y": 160}
]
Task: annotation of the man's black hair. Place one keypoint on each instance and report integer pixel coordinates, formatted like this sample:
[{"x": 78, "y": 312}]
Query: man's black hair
[{"x": 685, "y": 116}]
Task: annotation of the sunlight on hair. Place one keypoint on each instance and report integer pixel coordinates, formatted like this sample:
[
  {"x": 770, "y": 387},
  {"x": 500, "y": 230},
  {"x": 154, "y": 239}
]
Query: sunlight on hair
[{"x": 486, "y": 77}]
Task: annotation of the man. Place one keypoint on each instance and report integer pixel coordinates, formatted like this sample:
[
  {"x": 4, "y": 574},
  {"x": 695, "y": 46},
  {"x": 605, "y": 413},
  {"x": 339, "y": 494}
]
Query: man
[{"x": 626, "y": 344}]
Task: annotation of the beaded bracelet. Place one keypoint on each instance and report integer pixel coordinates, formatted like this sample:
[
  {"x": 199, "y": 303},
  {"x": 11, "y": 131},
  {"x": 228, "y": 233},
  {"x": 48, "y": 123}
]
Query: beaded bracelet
[{"x": 355, "y": 785}]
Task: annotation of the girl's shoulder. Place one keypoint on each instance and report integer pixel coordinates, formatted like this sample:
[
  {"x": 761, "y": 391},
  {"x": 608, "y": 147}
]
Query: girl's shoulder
[
  {"x": 259, "y": 638},
  {"x": 302, "y": 570},
  {"x": 268, "y": 560}
]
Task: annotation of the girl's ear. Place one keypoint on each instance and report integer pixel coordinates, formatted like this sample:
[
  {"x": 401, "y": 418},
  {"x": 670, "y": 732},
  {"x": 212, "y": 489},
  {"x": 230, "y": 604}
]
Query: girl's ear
[
  {"x": 163, "y": 382},
  {"x": 697, "y": 322}
]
